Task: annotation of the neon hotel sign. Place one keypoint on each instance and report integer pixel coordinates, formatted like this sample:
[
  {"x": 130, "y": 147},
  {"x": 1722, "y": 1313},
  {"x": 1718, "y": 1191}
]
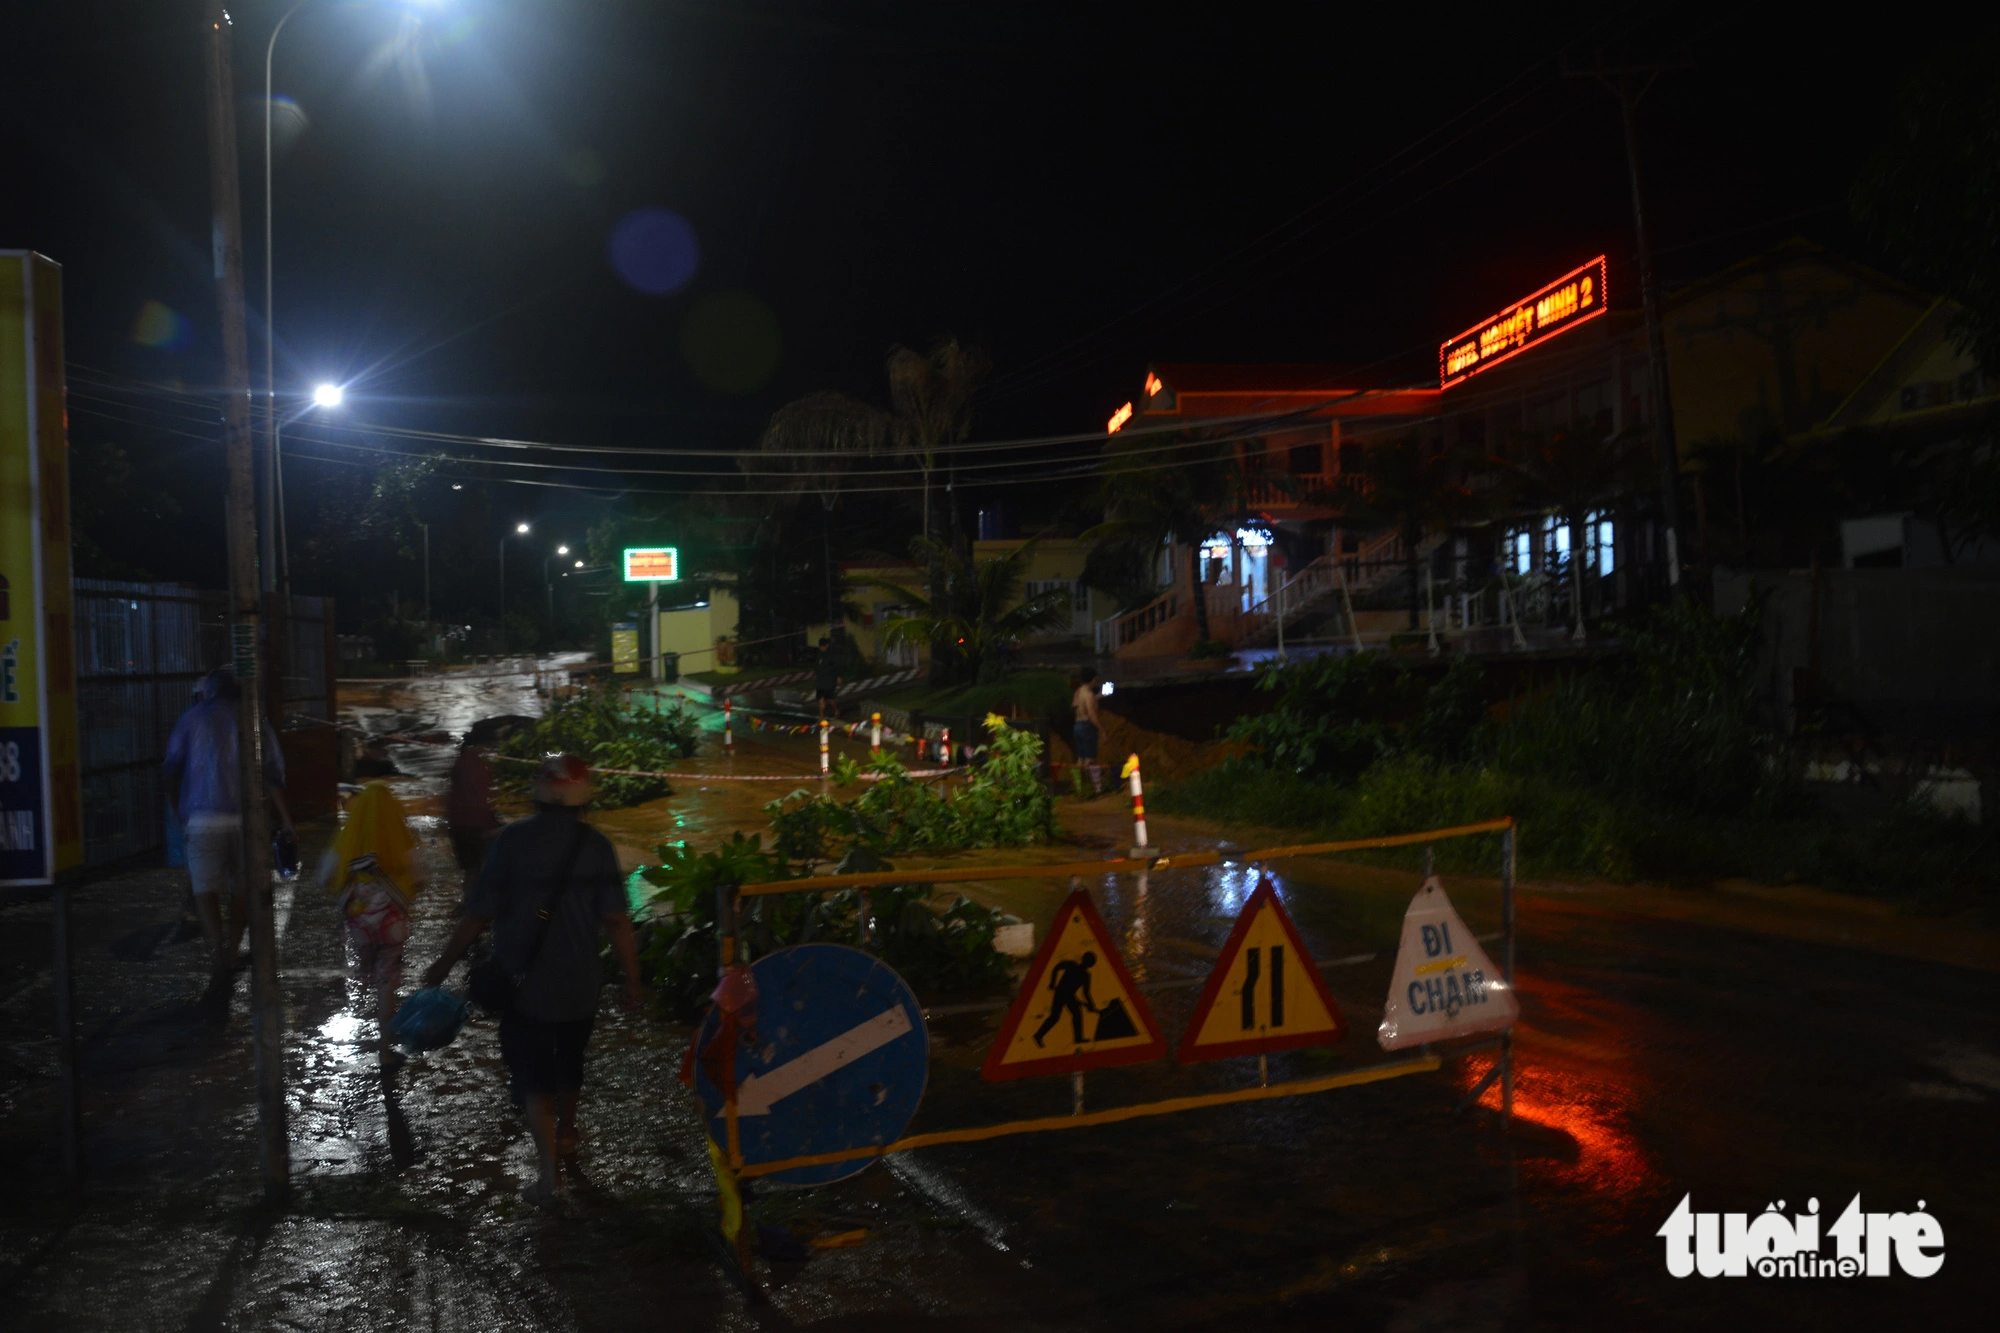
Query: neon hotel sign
[{"x": 1568, "y": 301}]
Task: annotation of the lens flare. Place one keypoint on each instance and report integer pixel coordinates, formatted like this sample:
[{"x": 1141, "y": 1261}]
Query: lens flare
[
  {"x": 160, "y": 325},
  {"x": 654, "y": 250},
  {"x": 288, "y": 121},
  {"x": 732, "y": 343},
  {"x": 328, "y": 395}
]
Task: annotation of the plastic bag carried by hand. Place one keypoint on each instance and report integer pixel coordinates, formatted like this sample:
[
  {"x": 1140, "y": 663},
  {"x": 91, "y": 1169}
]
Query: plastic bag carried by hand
[{"x": 428, "y": 1020}]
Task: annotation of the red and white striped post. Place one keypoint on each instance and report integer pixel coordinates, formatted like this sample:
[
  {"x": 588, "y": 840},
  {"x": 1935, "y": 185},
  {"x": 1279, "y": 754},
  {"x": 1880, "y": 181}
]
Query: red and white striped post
[
  {"x": 823, "y": 764},
  {"x": 944, "y": 748},
  {"x": 728, "y": 727},
  {"x": 1131, "y": 773},
  {"x": 875, "y": 736}
]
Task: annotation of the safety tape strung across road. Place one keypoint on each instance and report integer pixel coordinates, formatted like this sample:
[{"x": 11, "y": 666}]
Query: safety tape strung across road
[{"x": 397, "y": 738}]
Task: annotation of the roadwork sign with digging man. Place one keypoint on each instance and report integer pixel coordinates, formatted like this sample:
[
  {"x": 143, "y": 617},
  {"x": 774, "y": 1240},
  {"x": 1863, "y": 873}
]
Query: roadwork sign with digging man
[{"x": 1077, "y": 1008}]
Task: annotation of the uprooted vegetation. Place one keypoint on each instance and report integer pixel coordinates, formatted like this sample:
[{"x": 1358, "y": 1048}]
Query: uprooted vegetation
[
  {"x": 940, "y": 947},
  {"x": 611, "y": 734}
]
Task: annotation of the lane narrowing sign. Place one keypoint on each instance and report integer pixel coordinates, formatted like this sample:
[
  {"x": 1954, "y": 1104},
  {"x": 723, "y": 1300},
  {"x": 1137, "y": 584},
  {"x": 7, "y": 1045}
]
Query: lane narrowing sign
[{"x": 1264, "y": 994}]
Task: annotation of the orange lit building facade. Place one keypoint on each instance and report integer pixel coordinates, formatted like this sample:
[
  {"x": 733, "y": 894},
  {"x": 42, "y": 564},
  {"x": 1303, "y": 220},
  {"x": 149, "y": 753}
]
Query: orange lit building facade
[{"x": 1758, "y": 352}]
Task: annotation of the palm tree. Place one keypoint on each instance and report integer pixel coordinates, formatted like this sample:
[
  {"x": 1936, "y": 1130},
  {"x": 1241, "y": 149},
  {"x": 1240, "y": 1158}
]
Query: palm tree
[
  {"x": 975, "y": 613},
  {"x": 1411, "y": 486},
  {"x": 1571, "y": 472},
  {"x": 810, "y": 447},
  {"x": 1148, "y": 504},
  {"x": 930, "y": 396}
]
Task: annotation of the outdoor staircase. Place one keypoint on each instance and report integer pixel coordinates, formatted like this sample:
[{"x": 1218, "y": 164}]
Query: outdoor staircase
[
  {"x": 1164, "y": 627},
  {"x": 1317, "y": 588}
]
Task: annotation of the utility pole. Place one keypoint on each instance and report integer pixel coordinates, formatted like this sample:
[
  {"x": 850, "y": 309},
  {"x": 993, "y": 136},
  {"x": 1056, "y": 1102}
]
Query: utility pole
[
  {"x": 1628, "y": 84},
  {"x": 267, "y": 1009}
]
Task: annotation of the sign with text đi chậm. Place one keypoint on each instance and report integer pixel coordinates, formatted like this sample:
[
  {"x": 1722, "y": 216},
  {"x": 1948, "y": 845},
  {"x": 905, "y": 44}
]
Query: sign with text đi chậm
[{"x": 1572, "y": 299}]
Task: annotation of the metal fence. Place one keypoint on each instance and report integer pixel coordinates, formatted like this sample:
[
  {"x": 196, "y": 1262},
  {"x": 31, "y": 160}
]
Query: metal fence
[{"x": 140, "y": 648}]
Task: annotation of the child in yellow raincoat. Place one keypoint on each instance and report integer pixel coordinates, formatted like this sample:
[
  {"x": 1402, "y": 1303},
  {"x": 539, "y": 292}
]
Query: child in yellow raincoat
[{"x": 371, "y": 870}]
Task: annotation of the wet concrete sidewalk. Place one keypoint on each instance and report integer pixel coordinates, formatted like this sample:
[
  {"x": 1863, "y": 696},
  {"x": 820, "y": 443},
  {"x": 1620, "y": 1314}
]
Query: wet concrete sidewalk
[{"x": 405, "y": 1208}]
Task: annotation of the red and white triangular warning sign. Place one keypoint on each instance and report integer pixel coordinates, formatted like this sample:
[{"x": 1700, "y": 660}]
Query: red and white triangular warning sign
[
  {"x": 1445, "y": 986},
  {"x": 1078, "y": 1007},
  {"x": 1264, "y": 994}
]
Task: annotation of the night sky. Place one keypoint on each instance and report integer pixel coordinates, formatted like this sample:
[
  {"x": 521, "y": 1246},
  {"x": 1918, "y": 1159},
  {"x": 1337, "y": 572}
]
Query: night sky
[{"x": 1077, "y": 188}]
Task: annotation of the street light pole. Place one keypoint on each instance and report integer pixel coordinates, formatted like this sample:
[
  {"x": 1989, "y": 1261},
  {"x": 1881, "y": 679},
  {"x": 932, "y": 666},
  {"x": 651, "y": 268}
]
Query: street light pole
[
  {"x": 1628, "y": 85},
  {"x": 520, "y": 529},
  {"x": 267, "y": 1005},
  {"x": 274, "y": 480}
]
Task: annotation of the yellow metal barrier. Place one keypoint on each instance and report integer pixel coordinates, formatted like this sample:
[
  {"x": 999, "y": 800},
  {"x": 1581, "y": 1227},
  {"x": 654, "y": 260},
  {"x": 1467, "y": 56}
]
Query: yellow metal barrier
[{"x": 1422, "y": 1064}]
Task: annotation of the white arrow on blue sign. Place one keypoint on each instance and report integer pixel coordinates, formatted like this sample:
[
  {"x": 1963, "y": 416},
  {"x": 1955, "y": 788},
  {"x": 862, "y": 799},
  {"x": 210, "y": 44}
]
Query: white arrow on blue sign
[{"x": 841, "y": 1061}]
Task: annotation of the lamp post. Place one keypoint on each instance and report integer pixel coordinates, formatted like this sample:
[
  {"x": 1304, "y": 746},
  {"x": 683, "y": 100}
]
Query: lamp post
[
  {"x": 520, "y": 529},
  {"x": 274, "y": 484},
  {"x": 549, "y": 588}
]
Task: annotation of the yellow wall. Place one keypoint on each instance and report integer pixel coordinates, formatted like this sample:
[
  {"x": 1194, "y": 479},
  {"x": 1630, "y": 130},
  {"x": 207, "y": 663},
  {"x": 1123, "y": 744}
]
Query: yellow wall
[
  {"x": 1774, "y": 344},
  {"x": 692, "y": 633}
]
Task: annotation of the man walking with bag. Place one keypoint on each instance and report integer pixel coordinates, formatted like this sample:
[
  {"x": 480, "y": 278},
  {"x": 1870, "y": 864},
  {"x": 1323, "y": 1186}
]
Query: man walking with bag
[{"x": 550, "y": 885}]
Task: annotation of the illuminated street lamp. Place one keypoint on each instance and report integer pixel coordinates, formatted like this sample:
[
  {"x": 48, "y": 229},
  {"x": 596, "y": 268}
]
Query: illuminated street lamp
[
  {"x": 328, "y": 395},
  {"x": 520, "y": 530},
  {"x": 549, "y": 588}
]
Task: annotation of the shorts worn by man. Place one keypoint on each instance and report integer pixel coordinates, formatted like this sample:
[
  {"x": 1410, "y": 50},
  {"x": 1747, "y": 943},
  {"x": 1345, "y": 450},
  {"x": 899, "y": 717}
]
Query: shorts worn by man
[
  {"x": 203, "y": 782},
  {"x": 553, "y": 863}
]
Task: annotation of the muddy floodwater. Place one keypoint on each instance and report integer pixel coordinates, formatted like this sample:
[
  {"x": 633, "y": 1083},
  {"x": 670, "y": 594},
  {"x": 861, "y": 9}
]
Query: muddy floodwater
[{"x": 1744, "y": 1046}]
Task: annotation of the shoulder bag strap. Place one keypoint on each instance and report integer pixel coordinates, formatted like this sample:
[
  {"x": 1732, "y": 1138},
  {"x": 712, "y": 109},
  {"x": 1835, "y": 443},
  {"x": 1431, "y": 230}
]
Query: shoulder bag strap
[{"x": 548, "y": 909}]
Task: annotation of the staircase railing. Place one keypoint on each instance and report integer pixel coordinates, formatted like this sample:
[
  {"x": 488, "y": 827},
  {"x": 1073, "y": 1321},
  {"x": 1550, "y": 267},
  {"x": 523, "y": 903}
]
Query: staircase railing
[
  {"x": 1375, "y": 563},
  {"x": 1130, "y": 627}
]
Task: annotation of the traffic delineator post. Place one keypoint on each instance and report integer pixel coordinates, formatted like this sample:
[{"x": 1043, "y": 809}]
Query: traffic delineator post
[
  {"x": 944, "y": 748},
  {"x": 875, "y": 736},
  {"x": 1131, "y": 774},
  {"x": 729, "y": 726},
  {"x": 823, "y": 761}
]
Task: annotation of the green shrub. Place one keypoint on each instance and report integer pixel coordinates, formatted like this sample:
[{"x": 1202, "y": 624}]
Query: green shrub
[
  {"x": 1003, "y": 803},
  {"x": 938, "y": 951},
  {"x": 1677, "y": 729},
  {"x": 599, "y": 726},
  {"x": 1337, "y": 714}
]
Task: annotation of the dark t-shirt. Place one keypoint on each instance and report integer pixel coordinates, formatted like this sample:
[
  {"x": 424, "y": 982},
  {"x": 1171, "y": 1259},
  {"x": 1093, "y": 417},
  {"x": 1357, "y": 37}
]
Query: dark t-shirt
[
  {"x": 519, "y": 877},
  {"x": 826, "y": 672}
]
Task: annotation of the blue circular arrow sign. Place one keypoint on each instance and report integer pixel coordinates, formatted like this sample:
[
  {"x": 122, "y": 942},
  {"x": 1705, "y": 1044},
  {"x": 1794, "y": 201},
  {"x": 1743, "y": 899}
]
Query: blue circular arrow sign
[{"x": 840, "y": 1061}]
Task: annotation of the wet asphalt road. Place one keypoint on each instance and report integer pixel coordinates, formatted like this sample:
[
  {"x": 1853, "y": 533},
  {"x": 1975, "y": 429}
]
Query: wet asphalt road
[{"x": 1658, "y": 1057}]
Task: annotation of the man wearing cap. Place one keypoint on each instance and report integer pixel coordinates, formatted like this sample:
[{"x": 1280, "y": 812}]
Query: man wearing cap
[{"x": 550, "y": 885}]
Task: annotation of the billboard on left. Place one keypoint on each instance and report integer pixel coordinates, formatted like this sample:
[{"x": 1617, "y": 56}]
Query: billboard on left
[{"x": 41, "y": 821}]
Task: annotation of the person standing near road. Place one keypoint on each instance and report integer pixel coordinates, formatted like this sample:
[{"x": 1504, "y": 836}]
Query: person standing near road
[
  {"x": 468, "y": 808},
  {"x": 1084, "y": 734},
  {"x": 549, "y": 887},
  {"x": 826, "y": 678},
  {"x": 371, "y": 869},
  {"x": 203, "y": 790}
]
